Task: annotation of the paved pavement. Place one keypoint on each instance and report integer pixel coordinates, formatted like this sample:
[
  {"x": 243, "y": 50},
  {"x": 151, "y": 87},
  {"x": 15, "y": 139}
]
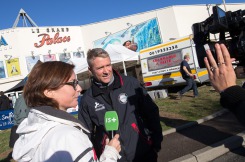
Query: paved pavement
[
  {"x": 237, "y": 155},
  {"x": 203, "y": 140}
]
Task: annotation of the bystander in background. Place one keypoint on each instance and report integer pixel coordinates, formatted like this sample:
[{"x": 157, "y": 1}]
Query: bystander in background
[
  {"x": 133, "y": 47},
  {"x": 185, "y": 71},
  {"x": 4, "y": 102},
  {"x": 127, "y": 43},
  {"x": 20, "y": 113}
]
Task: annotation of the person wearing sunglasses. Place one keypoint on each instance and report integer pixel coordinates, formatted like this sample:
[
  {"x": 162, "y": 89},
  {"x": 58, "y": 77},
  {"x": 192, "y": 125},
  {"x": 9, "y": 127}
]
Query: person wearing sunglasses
[
  {"x": 49, "y": 133},
  {"x": 223, "y": 79}
]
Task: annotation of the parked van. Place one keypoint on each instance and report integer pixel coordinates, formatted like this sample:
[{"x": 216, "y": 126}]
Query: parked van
[{"x": 160, "y": 64}]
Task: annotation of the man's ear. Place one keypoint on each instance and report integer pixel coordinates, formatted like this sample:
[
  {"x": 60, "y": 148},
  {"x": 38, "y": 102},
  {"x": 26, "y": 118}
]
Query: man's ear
[
  {"x": 90, "y": 71},
  {"x": 48, "y": 93}
]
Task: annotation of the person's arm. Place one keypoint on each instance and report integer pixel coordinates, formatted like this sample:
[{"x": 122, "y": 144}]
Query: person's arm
[
  {"x": 187, "y": 72},
  {"x": 112, "y": 149},
  {"x": 150, "y": 113},
  {"x": 233, "y": 98},
  {"x": 223, "y": 78},
  {"x": 76, "y": 146}
]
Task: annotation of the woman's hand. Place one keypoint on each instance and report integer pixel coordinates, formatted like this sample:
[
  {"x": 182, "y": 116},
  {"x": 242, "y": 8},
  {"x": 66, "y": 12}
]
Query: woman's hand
[
  {"x": 114, "y": 142},
  {"x": 221, "y": 74}
]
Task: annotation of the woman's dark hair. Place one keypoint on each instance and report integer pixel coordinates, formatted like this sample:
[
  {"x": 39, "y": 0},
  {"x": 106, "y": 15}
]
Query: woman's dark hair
[
  {"x": 126, "y": 42},
  {"x": 46, "y": 76}
]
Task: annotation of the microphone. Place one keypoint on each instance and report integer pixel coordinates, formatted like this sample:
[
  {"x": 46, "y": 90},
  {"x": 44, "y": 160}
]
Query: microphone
[{"x": 111, "y": 121}]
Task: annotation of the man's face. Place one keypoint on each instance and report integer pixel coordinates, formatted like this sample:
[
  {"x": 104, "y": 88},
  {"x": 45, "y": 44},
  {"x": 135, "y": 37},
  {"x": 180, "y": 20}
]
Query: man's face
[
  {"x": 188, "y": 59},
  {"x": 101, "y": 69}
]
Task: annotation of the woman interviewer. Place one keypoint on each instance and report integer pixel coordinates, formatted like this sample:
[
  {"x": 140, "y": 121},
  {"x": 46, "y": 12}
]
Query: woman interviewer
[{"x": 50, "y": 133}]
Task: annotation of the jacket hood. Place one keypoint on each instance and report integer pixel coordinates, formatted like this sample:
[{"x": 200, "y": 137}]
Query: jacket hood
[{"x": 33, "y": 129}]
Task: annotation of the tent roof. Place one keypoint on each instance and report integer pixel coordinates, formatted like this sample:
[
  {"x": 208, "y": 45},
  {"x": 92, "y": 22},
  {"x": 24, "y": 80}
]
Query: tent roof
[
  {"x": 18, "y": 87},
  {"x": 118, "y": 53}
]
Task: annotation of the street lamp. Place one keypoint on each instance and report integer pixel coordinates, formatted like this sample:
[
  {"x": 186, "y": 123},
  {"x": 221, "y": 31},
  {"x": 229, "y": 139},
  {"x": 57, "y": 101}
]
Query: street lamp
[
  {"x": 129, "y": 26},
  {"x": 8, "y": 57},
  {"x": 108, "y": 34}
]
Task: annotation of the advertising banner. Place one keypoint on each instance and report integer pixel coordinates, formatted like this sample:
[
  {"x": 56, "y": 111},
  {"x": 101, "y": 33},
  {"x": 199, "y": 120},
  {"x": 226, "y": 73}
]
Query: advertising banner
[
  {"x": 50, "y": 57},
  {"x": 164, "y": 61},
  {"x": 13, "y": 67},
  {"x": 6, "y": 119},
  {"x": 64, "y": 57},
  {"x": 2, "y": 70},
  {"x": 31, "y": 61},
  {"x": 145, "y": 34}
]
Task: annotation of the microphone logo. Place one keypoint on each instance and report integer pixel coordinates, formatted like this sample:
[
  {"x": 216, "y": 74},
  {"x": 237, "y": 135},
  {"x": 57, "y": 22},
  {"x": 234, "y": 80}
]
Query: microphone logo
[{"x": 111, "y": 121}]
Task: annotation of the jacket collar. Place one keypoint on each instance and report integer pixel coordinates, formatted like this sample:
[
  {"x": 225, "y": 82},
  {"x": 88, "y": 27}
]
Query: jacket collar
[{"x": 60, "y": 115}]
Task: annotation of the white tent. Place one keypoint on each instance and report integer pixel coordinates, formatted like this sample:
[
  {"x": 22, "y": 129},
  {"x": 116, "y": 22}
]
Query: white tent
[
  {"x": 80, "y": 64},
  {"x": 118, "y": 53}
]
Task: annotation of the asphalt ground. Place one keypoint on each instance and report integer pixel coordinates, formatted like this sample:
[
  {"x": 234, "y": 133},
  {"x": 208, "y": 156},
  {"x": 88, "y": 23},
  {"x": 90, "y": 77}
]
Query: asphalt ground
[{"x": 203, "y": 140}]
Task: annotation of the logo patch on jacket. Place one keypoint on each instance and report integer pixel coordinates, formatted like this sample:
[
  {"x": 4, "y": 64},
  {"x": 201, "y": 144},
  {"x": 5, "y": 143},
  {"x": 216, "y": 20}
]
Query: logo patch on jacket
[
  {"x": 99, "y": 106},
  {"x": 123, "y": 98}
]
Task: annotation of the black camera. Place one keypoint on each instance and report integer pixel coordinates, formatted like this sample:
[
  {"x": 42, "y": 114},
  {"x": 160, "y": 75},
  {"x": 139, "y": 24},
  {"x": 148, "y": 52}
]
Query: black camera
[{"x": 229, "y": 29}]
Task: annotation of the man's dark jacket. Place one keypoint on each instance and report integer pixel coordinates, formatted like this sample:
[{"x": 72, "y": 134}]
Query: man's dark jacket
[{"x": 136, "y": 111}]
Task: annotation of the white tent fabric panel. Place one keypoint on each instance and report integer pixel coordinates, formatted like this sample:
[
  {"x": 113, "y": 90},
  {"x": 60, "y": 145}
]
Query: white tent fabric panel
[
  {"x": 118, "y": 53},
  {"x": 80, "y": 64}
]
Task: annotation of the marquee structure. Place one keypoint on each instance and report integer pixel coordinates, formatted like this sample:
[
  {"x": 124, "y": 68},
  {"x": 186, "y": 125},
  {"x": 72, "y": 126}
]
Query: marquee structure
[{"x": 25, "y": 19}]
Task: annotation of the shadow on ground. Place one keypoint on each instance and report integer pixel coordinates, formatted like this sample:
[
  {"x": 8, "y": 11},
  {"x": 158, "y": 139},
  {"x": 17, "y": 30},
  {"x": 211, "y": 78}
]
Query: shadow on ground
[{"x": 186, "y": 141}]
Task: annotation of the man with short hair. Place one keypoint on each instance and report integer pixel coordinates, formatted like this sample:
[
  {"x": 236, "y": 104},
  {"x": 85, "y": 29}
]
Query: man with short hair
[
  {"x": 185, "y": 71},
  {"x": 139, "y": 123}
]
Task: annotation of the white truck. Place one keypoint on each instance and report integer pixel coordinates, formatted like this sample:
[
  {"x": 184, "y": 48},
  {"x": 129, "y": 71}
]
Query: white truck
[{"x": 160, "y": 64}]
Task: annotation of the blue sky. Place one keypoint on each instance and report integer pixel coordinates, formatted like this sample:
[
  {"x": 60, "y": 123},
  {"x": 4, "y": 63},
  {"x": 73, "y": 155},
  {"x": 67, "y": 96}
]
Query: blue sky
[{"x": 80, "y": 12}]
